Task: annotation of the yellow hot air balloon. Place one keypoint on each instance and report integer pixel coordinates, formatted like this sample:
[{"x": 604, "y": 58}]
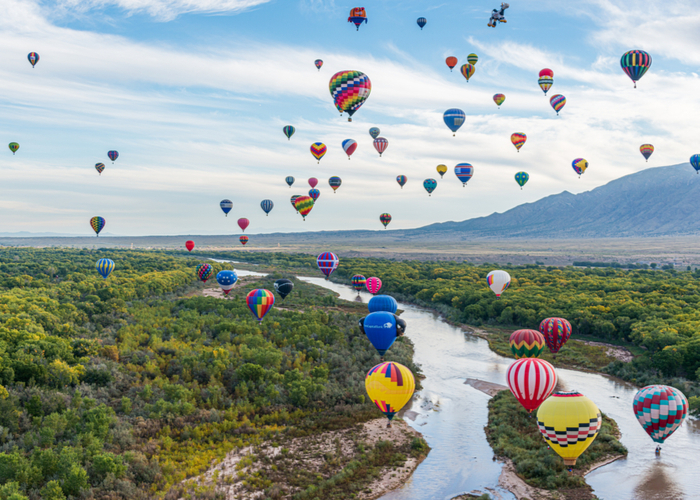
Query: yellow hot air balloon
[
  {"x": 390, "y": 385},
  {"x": 569, "y": 422},
  {"x": 441, "y": 170}
]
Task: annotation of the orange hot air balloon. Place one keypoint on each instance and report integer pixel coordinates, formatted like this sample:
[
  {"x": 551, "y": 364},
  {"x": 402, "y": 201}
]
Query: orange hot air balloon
[
  {"x": 518, "y": 139},
  {"x": 451, "y": 62}
]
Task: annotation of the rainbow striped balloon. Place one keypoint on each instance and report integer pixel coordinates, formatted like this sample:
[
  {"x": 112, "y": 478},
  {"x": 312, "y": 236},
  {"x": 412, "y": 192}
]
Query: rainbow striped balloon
[
  {"x": 304, "y": 204},
  {"x": 401, "y": 179},
  {"x": 318, "y": 150},
  {"x": 646, "y": 150},
  {"x": 97, "y": 224},
  {"x": 243, "y": 239},
  {"x": 499, "y": 99},
  {"x": 105, "y": 267},
  {"x": 635, "y": 64},
  {"x": 557, "y": 101},
  {"x": 349, "y": 89},
  {"x": 660, "y": 410},
  {"x": 335, "y": 182},
  {"x": 260, "y": 301},
  {"x": 467, "y": 71},
  {"x": 531, "y": 380},
  {"x": 518, "y": 139},
  {"x": 358, "y": 282}
]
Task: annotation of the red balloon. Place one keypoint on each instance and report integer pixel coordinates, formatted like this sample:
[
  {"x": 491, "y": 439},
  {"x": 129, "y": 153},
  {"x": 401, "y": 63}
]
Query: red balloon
[
  {"x": 189, "y": 245},
  {"x": 531, "y": 380},
  {"x": 547, "y": 72},
  {"x": 243, "y": 223},
  {"x": 313, "y": 182},
  {"x": 451, "y": 62},
  {"x": 556, "y": 331}
]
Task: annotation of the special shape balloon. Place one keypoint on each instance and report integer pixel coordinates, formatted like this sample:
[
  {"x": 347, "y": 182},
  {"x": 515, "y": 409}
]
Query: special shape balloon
[
  {"x": 374, "y": 132},
  {"x": 464, "y": 172},
  {"x": 335, "y": 182},
  {"x": 579, "y": 165},
  {"x": 660, "y": 410},
  {"x": 284, "y": 287},
  {"x": 113, "y": 155},
  {"x": 226, "y": 206},
  {"x": 350, "y": 89},
  {"x": 267, "y": 206},
  {"x": 526, "y": 343},
  {"x": 531, "y": 380},
  {"x": 499, "y": 99},
  {"x": 288, "y": 131},
  {"x": 556, "y": 331},
  {"x": 385, "y": 219},
  {"x": 189, "y": 245},
  {"x": 557, "y": 102},
  {"x": 105, "y": 267},
  {"x": 99, "y": 167},
  {"x": 390, "y": 385},
  {"x": 318, "y": 150},
  {"x": 33, "y": 58},
  {"x": 467, "y": 71},
  {"x": 454, "y": 118},
  {"x": 260, "y": 302},
  {"x": 314, "y": 193},
  {"x": 380, "y": 329},
  {"x": 498, "y": 281},
  {"x": 304, "y": 204},
  {"x": 373, "y": 285},
  {"x": 521, "y": 178},
  {"x": 358, "y": 282},
  {"x": 226, "y": 280},
  {"x": 97, "y": 224},
  {"x": 546, "y": 80},
  {"x": 13, "y": 147},
  {"x": 380, "y": 144},
  {"x": 518, "y": 139},
  {"x": 441, "y": 169},
  {"x": 203, "y": 272},
  {"x": 327, "y": 262},
  {"x": 357, "y": 17},
  {"x": 429, "y": 185},
  {"x": 401, "y": 179},
  {"x": 289, "y": 180},
  {"x": 451, "y": 62},
  {"x": 646, "y": 150},
  {"x": 635, "y": 64},
  {"x": 385, "y": 303},
  {"x": 349, "y": 146}
]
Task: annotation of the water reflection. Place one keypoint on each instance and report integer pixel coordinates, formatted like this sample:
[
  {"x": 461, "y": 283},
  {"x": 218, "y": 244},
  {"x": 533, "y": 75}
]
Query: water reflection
[{"x": 657, "y": 484}]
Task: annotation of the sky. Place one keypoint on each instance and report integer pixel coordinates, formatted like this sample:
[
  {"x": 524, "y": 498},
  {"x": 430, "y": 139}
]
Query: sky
[{"x": 194, "y": 95}]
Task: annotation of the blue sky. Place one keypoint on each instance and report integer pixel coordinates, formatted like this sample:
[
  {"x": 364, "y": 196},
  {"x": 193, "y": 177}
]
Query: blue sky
[{"x": 194, "y": 95}]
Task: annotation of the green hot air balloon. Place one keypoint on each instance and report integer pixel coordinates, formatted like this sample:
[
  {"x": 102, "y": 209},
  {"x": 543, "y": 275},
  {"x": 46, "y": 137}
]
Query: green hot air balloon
[
  {"x": 521, "y": 178},
  {"x": 13, "y": 147}
]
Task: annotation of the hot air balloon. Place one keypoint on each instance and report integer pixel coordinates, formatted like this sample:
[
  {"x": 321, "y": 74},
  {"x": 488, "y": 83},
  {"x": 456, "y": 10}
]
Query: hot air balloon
[
  {"x": 289, "y": 180},
  {"x": 498, "y": 281},
  {"x": 385, "y": 303},
  {"x": 350, "y": 89},
  {"x": 373, "y": 285},
  {"x": 374, "y": 132},
  {"x": 454, "y": 118},
  {"x": 327, "y": 262},
  {"x": 421, "y": 22},
  {"x": 357, "y": 17},
  {"x": 380, "y": 144},
  {"x": 472, "y": 58},
  {"x": 531, "y": 380},
  {"x": 390, "y": 385},
  {"x": 467, "y": 71},
  {"x": 557, "y": 101},
  {"x": 579, "y": 165},
  {"x": 189, "y": 245},
  {"x": 569, "y": 422},
  {"x": 113, "y": 155},
  {"x": 226, "y": 280},
  {"x": 243, "y": 223},
  {"x": 695, "y": 162},
  {"x": 401, "y": 179},
  {"x": 430, "y": 185},
  {"x": 635, "y": 63},
  {"x": 380, "y": 328},
  {"x": 33, "y": 58},
  {"x": 203, "y": 272},
  {"x": 243, "y": 239},
  {"x": 97, "y": 224},
  {"x": 318, "y": 150},
  {"x": 13, "y": 147},
  {"x": 105, "y": 267},
  {"x": 226, "y": 206},
  {"x": 260, "y": 301},
  {"x": 318, "y": 63},
  {"x": 526, "y": 344},
  {"x": 349, "y": 146},
  {"x": 313, "y": 182},
  {"x": 288, "y": 131},
  {"x": 284, "y": 287},
  {"x": 335, "y": 182},
  {"x": 521, "y": 178},
  {"x": 314, "y": 193},
  {"x": 441, "y": 169},
  {"x": 385, "y": 219},
  {"x": 499, "y": 99},
  {"x": 556, "y": 331},
  {"x": 358, "y": 282},
  {"x": 99, "y": 167},
  {"x": 546, "y": 80},
  {"x": 267, "y": 206},
  {"x": 293, "y": 199},
  {"x": 660, "y": 410},
  {"x": 518, "y": 139},
  {"x": 464, "y": 172},
  {"x": 646, "y": 150},
  {"x": 451, "y": 62}
]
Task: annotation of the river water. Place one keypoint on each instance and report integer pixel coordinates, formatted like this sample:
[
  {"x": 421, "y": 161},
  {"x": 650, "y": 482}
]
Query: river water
[{"x": 452, "y": 417}]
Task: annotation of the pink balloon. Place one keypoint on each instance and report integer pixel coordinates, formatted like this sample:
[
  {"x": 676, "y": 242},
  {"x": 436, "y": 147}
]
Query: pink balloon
[
  {"x": 373, "y": 285},
  {"x": 243, "y": 223},
  {"x": 312, "y": 182}
]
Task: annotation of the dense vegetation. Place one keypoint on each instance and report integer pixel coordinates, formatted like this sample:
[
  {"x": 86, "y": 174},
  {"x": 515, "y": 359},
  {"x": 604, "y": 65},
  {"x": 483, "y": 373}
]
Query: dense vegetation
[{"x": 122, "y": 388}]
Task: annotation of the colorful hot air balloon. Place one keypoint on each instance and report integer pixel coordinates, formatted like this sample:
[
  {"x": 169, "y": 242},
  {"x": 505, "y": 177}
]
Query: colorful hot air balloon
[
  {"x": 498, "y": 281},
  {"x": 526, "y": 343},
  {"x": 579, "y": 165},
  {"x": 289, "y": 180},
  {"x": 189, "y": 245},
  {"x": 518, "y": 139},
  {"x": 635, "y": 64},
  {"x": 557, "y": 101},
  {"x": 374, "y": 132},
  {"x": 695, "y": 162},
  {"x": 318, "y": 150},
  {"x": 401, "y": 179},
  {"x": 430, "y": 185},
  {"x": 472, "y": 58},
  {"x": 335, "y": 182},
  {"x": 243, "y": 239},
  {"x": 385, "y": 303},
  {"x": 226, "y": 280},
  {"x": 267, "y": 206},
  {"x": 358, "y": 282},
  {"x": 441, "y": 169},
  {"x": 464, "y": 172},
  {"x": 350, "y": 89},
  {"x": 243, "y": 223},
  {"x": 33, "y": 58},
  {"x": 660, "y": 410},
  {"x": 226, "y": 206},
  {"x": 203, "y": 272},
  {"x": 380, "y": 328},
  {"x": 357, "y": 17},
  {"x": 467, "y": 71},
  {"x": 318, "y": 63},
  {"x": 380, "y": 144},
  {"x": 373, "y": 285},
  {"x": 531, "y": 380},
  {"x": 349, "y": 146},
  {"x": 385, "y": 219},
  {"x": 421, "y": 22},
  {"x": 499, "y": 99},
  {"x": 105, "y": 267},
  {"x": 646, "y": 150},
  {"x": 454, "y": 118},
  {"x": 13, "y": 147},
  {"x": 260, "y": 302},
  {"x": 284, "y": 287},
  {"x": 314, "y": 193},
  {"x": 293, "y": 199},
  {"x": 451, "y": 62},
  {"x": 99, "y": 167},
  {"x": 97, "y": 224},
  {"x": 546, "y": 80},
  {"x": 288, "y": 131},
  {"x": 521, "y": 178},
  {"x": 313, "y": 182},
  {"x": 113, "y": 155},
  {"x": 569, "y": 422},
  {"x": 556, "y": 331},
  {"x": 390, "y": 385},
  {"x": 327, "y": 262}
]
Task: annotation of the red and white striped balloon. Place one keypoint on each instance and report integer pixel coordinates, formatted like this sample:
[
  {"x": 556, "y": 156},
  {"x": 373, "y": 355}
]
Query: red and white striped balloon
[
  {"x": 373, "y": 285},
  {"x": 531, "y": 380}
]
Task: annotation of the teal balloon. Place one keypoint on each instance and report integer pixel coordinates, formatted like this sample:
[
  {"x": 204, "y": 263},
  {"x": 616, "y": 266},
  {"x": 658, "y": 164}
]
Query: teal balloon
[{"x": 521, "y": 178}]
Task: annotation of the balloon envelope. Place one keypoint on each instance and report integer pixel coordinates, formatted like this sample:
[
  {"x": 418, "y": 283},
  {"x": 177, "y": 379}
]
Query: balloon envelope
[
  {"x": 304, "y": 204},
  {"x": 454, "y": 118},
  {"x": 335, "y": 182},
  {"x": 531, "y": 380},
  {"x": 646, "y": 150},
  {"x": 314, "y": 194},
  {"x": 451, "y": 62},
  {"x": 358, "y": 282},
  {"x": 557, "y": 101},
  {"x": 467, "y": 71},
  {"x": 401, "y": 179},
  {"x": 349, "y": 89},
  {"x": 635, "y": 64},
  {"x": 33, "y": 58},
  {"x": 226, "y": 206},
  {"x": 243, "y": 239},
  {"x": 374, "y": 132},
  {"x": 464, "y": 172},
  {"x": 113, "y": 155},
  {"x": 521, "y": 178},
  {"x": 284, "y": 287},
  {"x": 99, "y": 167},
  {"x": 385, "y": 303},
  {"x": 13, "y": 147},
  {"x": 313, "y": 182},
  {"x": 660, "y": 410},
  {"x": 318, "y": 63},
  {"x": 518, "y": 139},
  {"x": 579, "y": 165},
  {"x": 380, "y": 144},
  {"x": 226, "y": 280},
  {"x": 105, "y": 267},
  {"x": 390, "y": 385},
  {"x": 349, "y": 146},
  {"x": 429, "y": 185},
  {"x": 421, "y": 21},
  {"x": 97, "y": 224},
  {"x": 318, "y": 150},
  {"x": 498, "y": 281},
  {"x": 380, "y": 328},
  {"x": 556, "y": 331},
  {"x": 267, "y": 206},
  {"x": 373, "y": 285},
  {"x": 289, "y": 180},
  {"x": 385, "y": 219},
  {"x": 243, "y": 223},
  {"x": 288, "y": 131},
  {"x": 327, "y": 262},
  {"x": 526, "y": 343},
  {"x": 499, "y": 99},
  {"x": 189, "y": 245},
  {"x": 260, "y": 301},
  {"x": 472, "y": 58},
  {"x": 441, "y": 169},
  {"x": 204, "y": 272}
]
